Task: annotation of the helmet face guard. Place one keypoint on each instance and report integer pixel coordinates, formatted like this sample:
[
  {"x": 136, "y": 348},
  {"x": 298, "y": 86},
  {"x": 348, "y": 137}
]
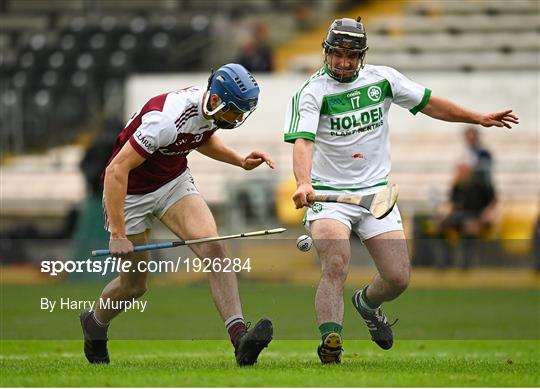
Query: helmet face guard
[
  {"x": 349, "y": 38},
  {"x": 222, "y": 107},
  {"x": 237, "y": 91}
]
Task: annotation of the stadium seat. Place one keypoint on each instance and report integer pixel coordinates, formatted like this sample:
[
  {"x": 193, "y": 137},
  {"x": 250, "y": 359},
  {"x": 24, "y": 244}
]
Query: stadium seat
[
  {"x": 285, "y": 210},
  {"x": 517, "y": 227}
]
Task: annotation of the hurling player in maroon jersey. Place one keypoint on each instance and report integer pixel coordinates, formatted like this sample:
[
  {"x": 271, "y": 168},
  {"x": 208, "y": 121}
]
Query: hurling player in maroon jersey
[{"x": 147, "y": 177}]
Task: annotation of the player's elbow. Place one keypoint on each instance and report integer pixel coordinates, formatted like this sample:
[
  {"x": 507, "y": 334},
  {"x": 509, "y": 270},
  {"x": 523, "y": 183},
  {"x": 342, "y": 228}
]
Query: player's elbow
[
  {"x": 110, "y": 170},
  {"x": 114, "y": 172}
]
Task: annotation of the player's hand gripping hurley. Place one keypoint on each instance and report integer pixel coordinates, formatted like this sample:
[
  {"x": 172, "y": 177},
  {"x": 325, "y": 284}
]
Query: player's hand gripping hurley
[
  {"x": 166, "y": 245},
  {"x": 378, "y": 204}
]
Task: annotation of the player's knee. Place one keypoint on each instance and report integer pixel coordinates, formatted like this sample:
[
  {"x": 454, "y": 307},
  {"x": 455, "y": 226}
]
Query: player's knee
[
  {"x": 211, "y": 250},
  {"x": 335, "y": 267},
  {"x": 399, "y": 282},
  {"x": 138, "y": 291},
  {"x": 133, "y": 291}
]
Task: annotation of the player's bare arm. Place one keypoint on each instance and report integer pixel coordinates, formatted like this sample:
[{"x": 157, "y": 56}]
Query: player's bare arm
[
  {"x": 216, "y": 149},
  {"x": 115, "y": 189},
  {"x": 302, "y": 156},
  {"x": 449, "y": 111}
]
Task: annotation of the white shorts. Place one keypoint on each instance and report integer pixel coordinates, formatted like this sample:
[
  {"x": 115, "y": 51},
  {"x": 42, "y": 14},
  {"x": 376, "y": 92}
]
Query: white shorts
[
  {"x": 358, "y": 219},
  {"x": 140, "y": 211}
]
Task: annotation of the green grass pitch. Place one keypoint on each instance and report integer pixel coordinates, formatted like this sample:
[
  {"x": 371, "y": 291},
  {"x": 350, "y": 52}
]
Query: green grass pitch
[
  {"x": 284, "y": 363},
  {"x": 443, "y": 338}
]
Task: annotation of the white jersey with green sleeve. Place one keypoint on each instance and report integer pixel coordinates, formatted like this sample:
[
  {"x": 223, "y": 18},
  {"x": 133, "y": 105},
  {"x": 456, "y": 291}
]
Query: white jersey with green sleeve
[{"x": 348, "y": 122}]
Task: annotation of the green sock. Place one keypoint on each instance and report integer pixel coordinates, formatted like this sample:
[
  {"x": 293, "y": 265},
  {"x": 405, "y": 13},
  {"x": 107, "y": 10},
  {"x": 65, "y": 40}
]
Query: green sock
[
  {"x": 365, "y": 303},
  {"x": 326, "y": 328}
]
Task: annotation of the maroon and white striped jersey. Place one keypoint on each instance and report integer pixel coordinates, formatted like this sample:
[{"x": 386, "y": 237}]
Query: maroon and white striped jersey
[{"x": 164, "y": 131}]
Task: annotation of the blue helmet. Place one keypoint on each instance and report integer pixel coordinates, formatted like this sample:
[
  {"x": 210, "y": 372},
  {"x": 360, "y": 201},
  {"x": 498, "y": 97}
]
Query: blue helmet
[{"x": 236, "y": 88}]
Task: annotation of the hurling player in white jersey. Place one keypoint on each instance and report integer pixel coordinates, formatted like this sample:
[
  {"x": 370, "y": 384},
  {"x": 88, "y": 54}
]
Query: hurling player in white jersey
[
  {"x": 147, "y": 178},
  {"x": 338, "y": 122}
]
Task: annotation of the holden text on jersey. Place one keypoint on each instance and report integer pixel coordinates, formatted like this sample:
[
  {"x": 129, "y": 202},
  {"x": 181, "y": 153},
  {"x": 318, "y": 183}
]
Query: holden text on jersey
[{"x": 359, "y": 122}]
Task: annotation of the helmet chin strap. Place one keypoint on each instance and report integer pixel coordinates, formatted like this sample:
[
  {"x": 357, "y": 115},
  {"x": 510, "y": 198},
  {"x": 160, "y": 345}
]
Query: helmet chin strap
[
  {"x": 222, "y": 124},
  {"x": 205, "y": 106}
]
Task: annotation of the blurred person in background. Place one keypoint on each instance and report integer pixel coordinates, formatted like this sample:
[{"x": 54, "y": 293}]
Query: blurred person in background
[
  {"x": 338, "y": 122},
  {"x": 469, "y": 214},
  {"x": 89, "y": 231},
  {"x": 536, "y": 244},
  {"x": 303, "y": 15},
  {"x": 147, "y": 177},
  {"x": 98, "y": 154},
  {"x": 478, "y": 156},
  {"x": 256, "y": 54}
]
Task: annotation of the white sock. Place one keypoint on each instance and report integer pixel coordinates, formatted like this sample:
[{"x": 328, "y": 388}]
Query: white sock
[
  {"x": 104, "y": 325},
  {"x": 233, "y": 320}
]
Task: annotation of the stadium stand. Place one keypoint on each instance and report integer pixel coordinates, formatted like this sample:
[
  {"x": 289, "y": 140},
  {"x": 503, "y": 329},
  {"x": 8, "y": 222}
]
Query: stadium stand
[
  {"x": 63, "y": 64},
  {"x": 446, "y": 35},
  {"x": 60, "y": 59}
]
